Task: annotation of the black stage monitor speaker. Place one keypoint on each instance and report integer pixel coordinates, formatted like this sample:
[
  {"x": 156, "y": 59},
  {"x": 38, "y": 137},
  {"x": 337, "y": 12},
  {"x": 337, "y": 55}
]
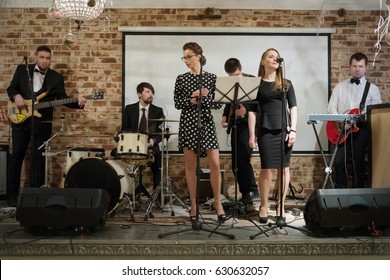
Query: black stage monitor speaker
[
  {"x": 57, "y": 207},
  {"x": 3, "y": 169},
  {"x": 330, "y": 209}
]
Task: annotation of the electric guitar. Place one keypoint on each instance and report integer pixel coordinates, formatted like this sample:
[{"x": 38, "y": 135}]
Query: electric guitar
[
  {"x": 17, "y": 116},
  {"x": 334, "y": 129}
]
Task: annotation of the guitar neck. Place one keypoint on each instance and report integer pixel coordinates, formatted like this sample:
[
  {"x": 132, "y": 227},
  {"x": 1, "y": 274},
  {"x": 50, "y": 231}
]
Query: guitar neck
[{"x": 56, "y": 102}]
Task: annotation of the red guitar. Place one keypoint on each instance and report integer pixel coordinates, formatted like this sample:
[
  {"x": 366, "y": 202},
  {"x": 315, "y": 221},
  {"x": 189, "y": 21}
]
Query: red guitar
[{"x": 333, "y": 129}]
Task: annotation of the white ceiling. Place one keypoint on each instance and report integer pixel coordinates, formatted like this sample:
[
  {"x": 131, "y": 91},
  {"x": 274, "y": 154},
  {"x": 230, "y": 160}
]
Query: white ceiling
[{"x": 226, "y": 4}]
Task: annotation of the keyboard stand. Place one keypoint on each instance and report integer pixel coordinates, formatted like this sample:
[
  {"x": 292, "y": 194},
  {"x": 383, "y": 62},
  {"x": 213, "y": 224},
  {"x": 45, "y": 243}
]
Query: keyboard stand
[{"x": 328, "y": 168}]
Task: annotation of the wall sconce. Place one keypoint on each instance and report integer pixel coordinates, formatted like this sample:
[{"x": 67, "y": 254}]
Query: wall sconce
[
  {"x": 210, "y": 13},
  {"x": 342, "y": 13}
]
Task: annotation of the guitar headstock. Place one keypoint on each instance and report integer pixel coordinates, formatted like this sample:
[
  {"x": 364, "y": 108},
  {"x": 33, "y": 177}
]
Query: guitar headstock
[{"x": 95, "y": 95}]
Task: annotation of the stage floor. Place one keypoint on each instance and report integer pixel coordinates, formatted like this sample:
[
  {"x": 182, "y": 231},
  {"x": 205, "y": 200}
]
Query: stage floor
[{"x": 125, "y": 238}]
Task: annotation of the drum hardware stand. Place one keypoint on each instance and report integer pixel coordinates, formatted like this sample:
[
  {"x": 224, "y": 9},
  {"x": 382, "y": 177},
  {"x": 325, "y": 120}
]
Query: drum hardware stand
[
  {"x": 197, "y": 225},
  {"x": 130, "y": 198},
  {"x": 140, "y": 187},
  {"x": 166, "y": 181},
  {"x": 48, "y": 153},
  {"x": 280, "y": 220}
]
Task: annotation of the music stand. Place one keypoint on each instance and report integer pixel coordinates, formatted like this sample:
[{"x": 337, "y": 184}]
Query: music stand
[
  {"x": 197, "y": 225},
  {"x": 234, "y": 90},
  {"x": 280, "y": 221}
]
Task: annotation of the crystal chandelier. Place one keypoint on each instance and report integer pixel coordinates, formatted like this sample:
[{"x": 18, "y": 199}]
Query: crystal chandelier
[{"x": 80, "y": 10}]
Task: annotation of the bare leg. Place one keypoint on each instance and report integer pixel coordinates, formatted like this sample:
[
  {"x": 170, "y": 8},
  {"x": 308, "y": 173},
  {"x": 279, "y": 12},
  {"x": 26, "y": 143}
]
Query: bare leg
[
  {"x": 264, "y": 187},
  {"x": 190, "y": 165},
  {"x": 215, "y": 178},
  {"x": 286, "y": 182}
]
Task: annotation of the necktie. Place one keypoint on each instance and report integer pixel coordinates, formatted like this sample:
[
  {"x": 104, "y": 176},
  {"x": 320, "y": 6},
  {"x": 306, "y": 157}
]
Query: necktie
[
  {"x": 142, "y": 124},
  {"x": 41, "y": 72},
  {"x": 356, "y": 81}
]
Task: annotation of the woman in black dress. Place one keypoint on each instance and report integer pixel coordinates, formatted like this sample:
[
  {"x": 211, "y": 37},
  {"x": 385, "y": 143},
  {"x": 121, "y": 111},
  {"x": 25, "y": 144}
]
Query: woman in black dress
[
  {"x": 186, "y": 99},
  {"x": 269, "y": 128}
]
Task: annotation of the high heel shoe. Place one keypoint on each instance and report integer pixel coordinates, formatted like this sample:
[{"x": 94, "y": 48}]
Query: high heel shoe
[
  {"x": 221, "y": 217},
  {"x": 192, "y": 217},
  {"x": 278, "y": 214},
  {"x": 263, "y": 219}
]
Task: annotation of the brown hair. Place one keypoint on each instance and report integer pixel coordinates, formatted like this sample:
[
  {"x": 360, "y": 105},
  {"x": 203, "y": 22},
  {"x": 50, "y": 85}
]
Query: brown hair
[
  {"x": 197, "y": 50},
  {"x": 141, "y": 86}
]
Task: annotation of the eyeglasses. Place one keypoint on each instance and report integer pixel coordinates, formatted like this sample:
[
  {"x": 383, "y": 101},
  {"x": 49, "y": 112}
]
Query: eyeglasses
[{"x": 188, "y": 57}]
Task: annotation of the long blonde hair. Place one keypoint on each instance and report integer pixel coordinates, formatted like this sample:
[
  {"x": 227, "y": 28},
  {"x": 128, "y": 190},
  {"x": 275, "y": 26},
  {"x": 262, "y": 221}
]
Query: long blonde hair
[{"x": 278, "y": 78}]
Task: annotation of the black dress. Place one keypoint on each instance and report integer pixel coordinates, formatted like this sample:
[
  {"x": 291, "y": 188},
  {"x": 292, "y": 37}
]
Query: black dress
[
  {"x": 269, "y": 125},
  {"x": 185, "y": 85}
]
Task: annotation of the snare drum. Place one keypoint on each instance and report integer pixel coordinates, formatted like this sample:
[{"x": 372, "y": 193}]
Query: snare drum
[
  {"x": 133, "y": 145},
  {"x": 75, "y": 155},
  {"x": 114, "y": 176}
]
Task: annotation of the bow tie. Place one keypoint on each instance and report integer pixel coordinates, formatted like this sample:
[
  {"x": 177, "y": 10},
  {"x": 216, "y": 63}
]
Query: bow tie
[
  {"x": 356, "y": 81},
  {"x": 36, "y": 70}
]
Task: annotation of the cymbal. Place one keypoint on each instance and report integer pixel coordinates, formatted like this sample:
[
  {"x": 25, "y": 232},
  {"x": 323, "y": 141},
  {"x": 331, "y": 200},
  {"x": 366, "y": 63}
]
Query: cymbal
[
  {"x": 162, "y": 120},
  {"x": 165, "y": 134}
]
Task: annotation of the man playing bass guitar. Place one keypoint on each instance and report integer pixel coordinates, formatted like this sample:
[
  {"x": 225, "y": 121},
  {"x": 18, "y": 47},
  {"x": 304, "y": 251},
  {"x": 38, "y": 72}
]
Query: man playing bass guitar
[
  {"x": 30, "y": 80},
  {"x": 350, "y": 96}
]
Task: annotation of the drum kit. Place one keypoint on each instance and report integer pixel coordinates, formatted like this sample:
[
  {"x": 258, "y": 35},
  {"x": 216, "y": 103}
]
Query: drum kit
[{"x": 120, "y": 174}]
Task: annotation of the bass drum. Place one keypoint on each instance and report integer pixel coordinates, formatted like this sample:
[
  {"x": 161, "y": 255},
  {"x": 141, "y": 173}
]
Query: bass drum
[
  {"x": 96, "y": 173},
  {"x": 74, "y": 155}
]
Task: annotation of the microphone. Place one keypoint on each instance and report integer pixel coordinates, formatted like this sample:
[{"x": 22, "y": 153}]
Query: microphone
[
  {"x": 25, "y": 59},
  {"x": 279, "y": 60},
  {"x": 62, "y": 122}
]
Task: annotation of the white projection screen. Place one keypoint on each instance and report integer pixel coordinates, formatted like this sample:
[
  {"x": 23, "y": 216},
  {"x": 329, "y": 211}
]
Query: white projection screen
[{"x": 154, "y": 56}]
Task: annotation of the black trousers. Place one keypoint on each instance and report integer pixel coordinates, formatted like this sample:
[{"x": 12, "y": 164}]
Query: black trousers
[
  {"x": 355, "y": 148},
  {"x": 245, "y": 176},
  {"x": 155, "y": 167},
  {"x": 21, "y": 136}
]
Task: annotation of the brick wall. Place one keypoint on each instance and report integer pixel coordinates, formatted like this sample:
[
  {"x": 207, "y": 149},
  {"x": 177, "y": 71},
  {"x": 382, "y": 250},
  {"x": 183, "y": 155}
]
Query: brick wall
[{"x": 95, "y": 64}]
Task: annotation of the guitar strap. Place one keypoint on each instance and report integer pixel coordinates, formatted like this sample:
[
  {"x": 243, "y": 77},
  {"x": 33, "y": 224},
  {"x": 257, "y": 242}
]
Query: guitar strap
[{"x": 364, "y": 97}]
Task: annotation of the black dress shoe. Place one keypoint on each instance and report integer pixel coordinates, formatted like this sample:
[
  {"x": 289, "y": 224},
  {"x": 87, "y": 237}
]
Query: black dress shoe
[
  {"x": 249, "y": 197},
  {"x": 11, "y": 202}
]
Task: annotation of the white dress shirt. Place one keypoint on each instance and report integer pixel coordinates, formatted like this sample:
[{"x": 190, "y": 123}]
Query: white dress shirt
[
  {"x": 38, "y": 79},
  {"x": 347, "y": 96}
]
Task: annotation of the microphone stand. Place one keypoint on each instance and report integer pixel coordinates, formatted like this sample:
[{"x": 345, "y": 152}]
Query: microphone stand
[
  {"x": 196, "y": 224},
  {"x": 32, "y": 150},
  {"x": 280, "y": 220}
]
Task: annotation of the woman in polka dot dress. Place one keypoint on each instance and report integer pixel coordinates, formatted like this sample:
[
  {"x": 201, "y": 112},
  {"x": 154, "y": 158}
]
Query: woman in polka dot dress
[{"x": 186, "y": 99}]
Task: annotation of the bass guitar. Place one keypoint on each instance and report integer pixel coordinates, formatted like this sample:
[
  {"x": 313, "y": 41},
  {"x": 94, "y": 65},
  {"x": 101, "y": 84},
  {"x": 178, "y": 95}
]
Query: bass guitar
[
  {"x": 334, "y": 129},
  {"x": 17, "y": 116}
]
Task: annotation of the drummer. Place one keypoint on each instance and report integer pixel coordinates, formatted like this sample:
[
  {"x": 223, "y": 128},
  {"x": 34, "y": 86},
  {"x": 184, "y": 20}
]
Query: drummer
[{"x": 135, "y": 119}]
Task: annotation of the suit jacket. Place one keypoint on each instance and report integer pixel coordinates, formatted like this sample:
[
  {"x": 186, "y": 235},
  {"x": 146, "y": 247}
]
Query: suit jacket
[
  {"x": 53, "y": 84},
  {"x": 130, "y": 120}
]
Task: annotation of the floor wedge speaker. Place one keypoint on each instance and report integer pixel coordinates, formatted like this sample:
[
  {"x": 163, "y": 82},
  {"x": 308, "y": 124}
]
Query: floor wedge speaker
[
  {"x": 329, "y": 209},
  {"x": 62, "y": 208}
]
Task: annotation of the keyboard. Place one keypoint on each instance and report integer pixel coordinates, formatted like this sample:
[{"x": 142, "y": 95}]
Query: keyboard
[{"x": 335, "y": 117}]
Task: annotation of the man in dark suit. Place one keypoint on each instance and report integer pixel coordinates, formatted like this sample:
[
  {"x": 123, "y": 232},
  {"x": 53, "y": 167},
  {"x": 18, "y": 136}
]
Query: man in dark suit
[
  {"x": 43, "y": 80},
  {"x": 132, "y": 119},
  {"x": 242, "y": 157}
]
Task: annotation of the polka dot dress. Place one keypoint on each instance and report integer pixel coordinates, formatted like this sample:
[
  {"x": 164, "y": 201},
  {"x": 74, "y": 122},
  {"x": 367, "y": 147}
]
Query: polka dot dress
[{"x": 185, "y": 85}]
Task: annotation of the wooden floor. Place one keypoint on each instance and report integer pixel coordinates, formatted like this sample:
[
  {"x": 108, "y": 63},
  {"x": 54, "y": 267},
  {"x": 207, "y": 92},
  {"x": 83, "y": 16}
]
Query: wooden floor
[{"x": 161, "y": 235}]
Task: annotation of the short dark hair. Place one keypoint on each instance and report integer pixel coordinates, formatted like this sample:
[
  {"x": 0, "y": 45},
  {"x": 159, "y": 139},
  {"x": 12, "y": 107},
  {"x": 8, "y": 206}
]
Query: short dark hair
[
  {"x": 43, "y": 49},
  {"x": 232, "y": 65},
  {"x": 358, "y": 56},
  {"x": 141, "y": 86}
]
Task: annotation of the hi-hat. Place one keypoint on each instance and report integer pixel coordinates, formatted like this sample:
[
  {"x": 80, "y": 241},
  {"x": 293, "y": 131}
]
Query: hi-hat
[
  {"x": 165, "y": 133},
  {"x": 162, "y": 120}
]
